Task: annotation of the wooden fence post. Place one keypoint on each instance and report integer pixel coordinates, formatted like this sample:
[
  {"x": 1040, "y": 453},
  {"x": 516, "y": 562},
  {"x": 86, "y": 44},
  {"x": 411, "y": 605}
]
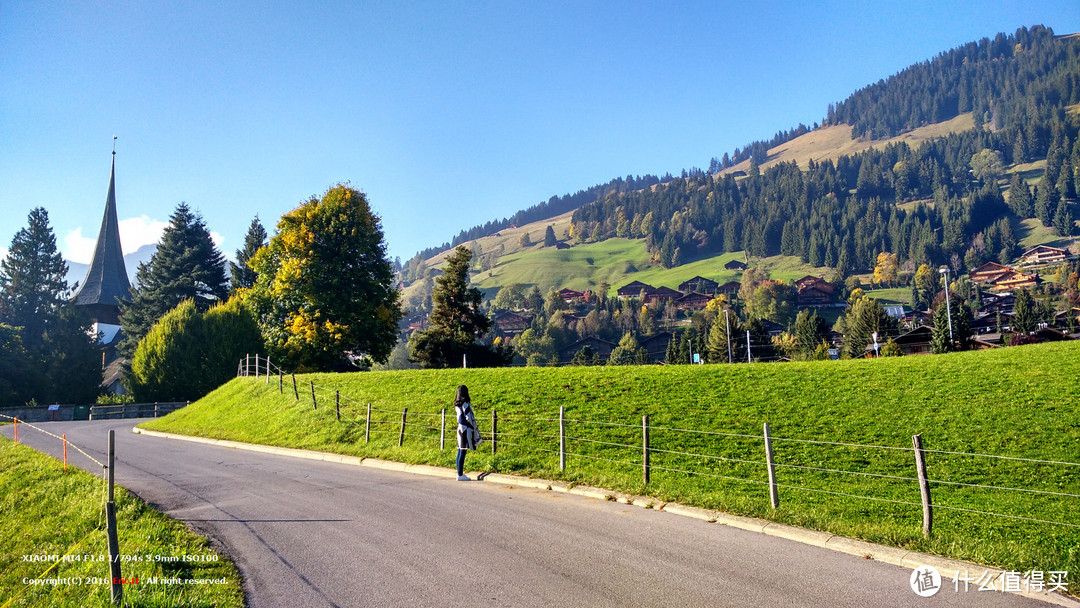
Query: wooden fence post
[
  {"x": 494, "y": 430},
  {"x": 65, "y": 452},
  {"x": 401, "y": 437},
  {"x": 296, "y": 393},
  {"x": 247, "y": 362},
  {"x": 774, "y": 498},
  {"x": 562, "y": 439},
  {"x": 256, "y": 366},
  {"x": 337, "y": 404},
  {"x": 314, "y": 404},
  {"x": 645, "y": 447},
  {"x": 367, "y": 425},
  {"x": 442, "y": 431},
  {"x": 924, "y": 487},
  {"x": 280, "y": 375},
  {"x": 267, "y": 370},
  {"x": 116, "y": 587}
]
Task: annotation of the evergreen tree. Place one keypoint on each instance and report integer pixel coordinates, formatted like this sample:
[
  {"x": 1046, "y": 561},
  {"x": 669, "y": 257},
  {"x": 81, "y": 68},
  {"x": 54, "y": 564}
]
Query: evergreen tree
[
  {"x": 718, "y": 349},
  {"x": 628, "y": 352},
  {"x": 32, "y": 279},
  {"x": 549, "y": 237},
  {"x": 1024, "y": 316},
  {"x": 1019, "y": 197},
  {"x": 865, "y": 317},
  {"x": 186, "y": 265},
  {"x": 242, "y": 275},
  {"x": 810, "y": 331},
  {"x": 1063, "y": 219},
  {"x": 58, "y": 355},
  {"x": 456, "y": 321}
]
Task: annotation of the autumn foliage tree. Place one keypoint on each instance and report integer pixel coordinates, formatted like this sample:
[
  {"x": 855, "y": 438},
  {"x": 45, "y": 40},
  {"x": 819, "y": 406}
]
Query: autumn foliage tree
[{"x": 325, "y": 293}]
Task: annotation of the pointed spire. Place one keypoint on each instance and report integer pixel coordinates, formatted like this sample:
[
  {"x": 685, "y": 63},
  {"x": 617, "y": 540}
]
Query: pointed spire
[{"x": 106, "y": 283}]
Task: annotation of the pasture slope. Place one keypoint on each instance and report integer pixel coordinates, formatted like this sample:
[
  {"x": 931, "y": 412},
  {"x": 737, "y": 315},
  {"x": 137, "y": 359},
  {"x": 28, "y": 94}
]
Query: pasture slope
[{"x": 1003, "y": 428}]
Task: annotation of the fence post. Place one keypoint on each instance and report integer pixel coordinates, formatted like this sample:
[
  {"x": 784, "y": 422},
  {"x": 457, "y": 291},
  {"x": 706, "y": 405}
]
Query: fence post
[
  {"x": 924, "y": 487},
  {"x": 267, "y": 370},
  {"x": 562, "y": 439},
  {"x": 401, "y": 437},
  {"x": 65, "y": 451},
  {"x": 256, "y": 366},
  {"x": 337, "y": 404},
  {"x": 296, "y": 393},
  {"x": 367, "y": 425},
  {"x": 314, "y": 404},
  {"x": 645, "y": 447},
  {"x": 442, "y": 431},
  {"x": 774, "y": 498},
  {"x": 110, "y": 524},
  {"x": 156, "y": 410},
  {"x": 16, "y": 423},
  {"x": 494, "y": 430},
  {"x": 247, "y": 362},
  {"x": 280, "y": 378}
]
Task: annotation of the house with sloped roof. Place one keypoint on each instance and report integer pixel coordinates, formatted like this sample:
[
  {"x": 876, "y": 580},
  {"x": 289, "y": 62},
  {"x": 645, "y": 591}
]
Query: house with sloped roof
[{"x": 634, "y": 289}]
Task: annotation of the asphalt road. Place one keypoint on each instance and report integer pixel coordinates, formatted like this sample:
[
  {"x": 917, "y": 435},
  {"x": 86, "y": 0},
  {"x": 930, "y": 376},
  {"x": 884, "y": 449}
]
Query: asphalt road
[{"x": 311, "y": 534}]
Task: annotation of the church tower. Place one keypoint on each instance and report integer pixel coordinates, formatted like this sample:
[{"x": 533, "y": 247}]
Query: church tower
[{"x": 106, "y": 284}]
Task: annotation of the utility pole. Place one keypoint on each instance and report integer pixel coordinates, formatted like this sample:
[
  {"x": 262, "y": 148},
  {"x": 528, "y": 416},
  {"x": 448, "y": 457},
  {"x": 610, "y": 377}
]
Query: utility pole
[
  {"x": 727, "y": 332},
  {"x": 944, "y": 271}
]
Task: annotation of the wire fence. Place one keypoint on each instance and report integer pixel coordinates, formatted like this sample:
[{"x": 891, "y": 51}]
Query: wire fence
[{"x": 902, "y": 479}]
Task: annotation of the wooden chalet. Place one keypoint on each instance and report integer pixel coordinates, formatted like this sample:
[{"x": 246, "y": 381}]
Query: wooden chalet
[
  {"x": 692, "y": 301},
  {"x": 814, "y": 291},
  {"x": 662, "y": 294},
  {"x": 774, "y": 328},
  {"x": 915, "y": 342},
  {"x": 999, "y": 303},
  {"x": 1043, "y": 254},
  {"x": 730, "y": 288},
  {"x": 657, "y": 345},
  {"x": 597, "y": 345},
  {"x": 510, "y": 323},
  {"x": 735, "y": 265},
  {"x": 988, "y": 272},
  {"x": 1016, "y": 280},
  {"x": 699, "y": 284},
  {"x": 634, "y": 289},
  {"x": 571, "y": 296}
]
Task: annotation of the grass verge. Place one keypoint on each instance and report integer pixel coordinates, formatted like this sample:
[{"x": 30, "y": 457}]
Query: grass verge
[
  {"x": 706, "y": 426},
  {"x": 50, "y": 512}
]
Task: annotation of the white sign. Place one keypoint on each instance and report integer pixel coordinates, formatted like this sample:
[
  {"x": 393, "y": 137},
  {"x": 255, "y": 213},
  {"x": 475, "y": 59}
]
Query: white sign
[{"x": 53, "y": 408}]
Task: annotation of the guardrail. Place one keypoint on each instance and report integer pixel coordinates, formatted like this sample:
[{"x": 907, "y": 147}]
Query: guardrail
[{"x": 135, "y": 410}]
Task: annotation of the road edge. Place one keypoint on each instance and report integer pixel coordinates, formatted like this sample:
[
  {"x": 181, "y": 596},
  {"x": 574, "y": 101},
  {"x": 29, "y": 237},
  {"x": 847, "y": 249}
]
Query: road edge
[{"x": 860, "y": 548}]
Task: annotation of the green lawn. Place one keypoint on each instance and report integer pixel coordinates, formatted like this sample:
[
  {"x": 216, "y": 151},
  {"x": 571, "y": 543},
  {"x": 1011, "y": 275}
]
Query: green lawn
[
  {"x": 48, "y": 511},
  {"x": 707, "y": 422}
]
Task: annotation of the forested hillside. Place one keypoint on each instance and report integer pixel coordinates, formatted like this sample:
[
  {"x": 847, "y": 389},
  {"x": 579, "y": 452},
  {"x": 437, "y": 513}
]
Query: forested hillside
[{"x": 842, "y": 214}]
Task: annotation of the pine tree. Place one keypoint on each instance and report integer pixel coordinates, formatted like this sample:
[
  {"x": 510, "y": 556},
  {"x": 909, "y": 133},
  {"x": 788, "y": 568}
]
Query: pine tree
[
  {"x": 55, "y": 350},
  {"x": 1019, "y": 197},
  {"x": 549, "y": 237},
  {"x": 186, "y": 265},
  {"x": 1063, "y": 219},
  {"x": 1024, "y": 316},
  {"x": 456, "y": 320},
  {"x": 32, "y": 279},
  {"x": 241, "y": 274}
]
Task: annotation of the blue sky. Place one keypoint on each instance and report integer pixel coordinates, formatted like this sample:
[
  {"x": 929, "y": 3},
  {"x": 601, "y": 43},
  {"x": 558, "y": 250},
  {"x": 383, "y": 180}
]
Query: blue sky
[{"x": 446, "y": 114}]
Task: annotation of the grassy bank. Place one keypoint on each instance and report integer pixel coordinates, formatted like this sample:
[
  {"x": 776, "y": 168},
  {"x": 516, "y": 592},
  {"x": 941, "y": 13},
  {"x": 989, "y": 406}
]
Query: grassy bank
[
  {"x": 50, "y": 512},
  {"x": 706, "y": 438}
]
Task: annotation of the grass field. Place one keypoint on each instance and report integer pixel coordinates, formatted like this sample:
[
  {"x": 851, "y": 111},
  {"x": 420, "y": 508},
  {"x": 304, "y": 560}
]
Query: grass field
[
  {"x": 1018, "y": 403},
  {"x": 48, "y": 511}
]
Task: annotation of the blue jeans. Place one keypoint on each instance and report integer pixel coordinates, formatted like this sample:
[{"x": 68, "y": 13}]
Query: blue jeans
[{"x": 460, "y": 461}]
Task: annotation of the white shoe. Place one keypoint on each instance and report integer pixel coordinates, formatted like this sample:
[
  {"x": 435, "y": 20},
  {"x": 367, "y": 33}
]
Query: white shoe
[{"x": 463, "y": 478}]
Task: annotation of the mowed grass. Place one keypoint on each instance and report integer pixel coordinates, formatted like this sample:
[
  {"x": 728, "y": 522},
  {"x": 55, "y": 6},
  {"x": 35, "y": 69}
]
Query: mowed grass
[
  {"x": 48, "y": 511},
  {"x": 706, "y": 426}
]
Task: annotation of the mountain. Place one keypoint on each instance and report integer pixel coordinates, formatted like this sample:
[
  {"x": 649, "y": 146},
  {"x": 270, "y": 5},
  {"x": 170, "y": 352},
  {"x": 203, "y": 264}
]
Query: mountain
[
  {"x": 77, "y": 271},
  {"x": 934, "y": 164}
]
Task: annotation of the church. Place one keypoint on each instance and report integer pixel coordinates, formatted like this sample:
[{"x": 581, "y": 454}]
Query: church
[{"x": 105, "y": 287}]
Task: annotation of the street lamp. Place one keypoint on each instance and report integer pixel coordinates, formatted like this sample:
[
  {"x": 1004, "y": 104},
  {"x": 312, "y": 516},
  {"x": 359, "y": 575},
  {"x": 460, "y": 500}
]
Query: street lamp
[{"x": 944, "y": 271}]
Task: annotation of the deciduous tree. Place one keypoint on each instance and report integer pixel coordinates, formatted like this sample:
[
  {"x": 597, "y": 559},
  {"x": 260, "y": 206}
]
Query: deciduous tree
[{"x": 325, "y": 294}]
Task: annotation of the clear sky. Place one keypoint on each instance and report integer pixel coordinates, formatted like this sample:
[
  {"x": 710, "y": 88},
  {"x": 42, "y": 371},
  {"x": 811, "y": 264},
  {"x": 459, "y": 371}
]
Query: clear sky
[{"x": 446, "y": 114}]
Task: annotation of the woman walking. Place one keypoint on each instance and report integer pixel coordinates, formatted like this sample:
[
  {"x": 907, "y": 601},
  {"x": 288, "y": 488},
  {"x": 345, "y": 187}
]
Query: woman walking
[{"x": 468, "y": 436}]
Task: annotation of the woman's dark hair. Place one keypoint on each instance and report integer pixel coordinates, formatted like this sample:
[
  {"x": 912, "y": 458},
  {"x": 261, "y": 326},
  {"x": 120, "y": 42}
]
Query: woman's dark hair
[{"x": 462, "y": 395}]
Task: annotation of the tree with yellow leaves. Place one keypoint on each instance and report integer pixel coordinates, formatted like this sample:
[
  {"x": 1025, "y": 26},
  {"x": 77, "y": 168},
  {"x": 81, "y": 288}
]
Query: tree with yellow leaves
[
  {"x": 325, "y": 295},
  {"x": 887, "y": 269}
]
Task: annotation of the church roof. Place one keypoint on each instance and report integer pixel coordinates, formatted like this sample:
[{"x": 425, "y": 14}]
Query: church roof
[{"x": 106, "y": 283}]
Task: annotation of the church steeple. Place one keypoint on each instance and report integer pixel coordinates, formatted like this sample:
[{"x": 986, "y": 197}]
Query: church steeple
[{"x": 106, "y": 284}]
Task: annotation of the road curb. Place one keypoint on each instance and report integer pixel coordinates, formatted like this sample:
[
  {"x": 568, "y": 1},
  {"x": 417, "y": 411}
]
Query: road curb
[{"x": 867, "y": 550}]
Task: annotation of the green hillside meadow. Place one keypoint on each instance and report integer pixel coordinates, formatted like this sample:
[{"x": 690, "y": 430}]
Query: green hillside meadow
[
  {"x": 1019, "y": 403},
  {"x": 48, "y": 511}
]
